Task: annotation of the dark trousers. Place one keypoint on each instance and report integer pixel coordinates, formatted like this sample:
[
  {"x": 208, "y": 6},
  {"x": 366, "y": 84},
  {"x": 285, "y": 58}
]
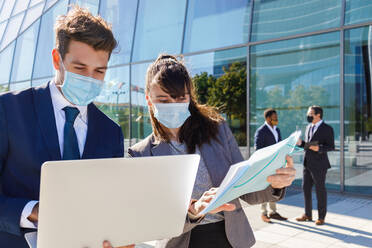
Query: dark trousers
[
  {"x": 318, "y": 177},
  {"x": 209, "y": 236}
]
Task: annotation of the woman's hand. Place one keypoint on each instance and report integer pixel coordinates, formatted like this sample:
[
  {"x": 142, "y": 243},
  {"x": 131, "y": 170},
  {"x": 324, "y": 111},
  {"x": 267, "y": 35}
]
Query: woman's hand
[
  {"x": 284, "y": 176},
  {"x": 197, "y": 206},
  {"x": 107, "y": 244}
]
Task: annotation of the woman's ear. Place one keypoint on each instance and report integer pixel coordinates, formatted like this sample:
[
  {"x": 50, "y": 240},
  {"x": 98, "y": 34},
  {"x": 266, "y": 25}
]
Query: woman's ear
[{"x": 148, "y": 100}]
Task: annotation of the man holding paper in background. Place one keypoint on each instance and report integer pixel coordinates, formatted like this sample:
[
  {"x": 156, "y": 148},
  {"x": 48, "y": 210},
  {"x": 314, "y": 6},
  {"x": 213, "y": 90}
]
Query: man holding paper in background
[
  {"x": 319, "y": 139},
  {"x": 266, "y": 135}
]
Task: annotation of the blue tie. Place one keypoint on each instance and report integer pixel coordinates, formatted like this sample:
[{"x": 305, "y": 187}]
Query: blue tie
[{"x": 70, "y": 143}]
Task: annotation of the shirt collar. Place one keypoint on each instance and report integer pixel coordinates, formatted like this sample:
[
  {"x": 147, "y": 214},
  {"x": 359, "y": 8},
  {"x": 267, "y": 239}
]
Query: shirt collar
[
  {"x": 267, "y": 124},
  {"x": 317, "y": 124},
  {"x": 59, "y": 102}
]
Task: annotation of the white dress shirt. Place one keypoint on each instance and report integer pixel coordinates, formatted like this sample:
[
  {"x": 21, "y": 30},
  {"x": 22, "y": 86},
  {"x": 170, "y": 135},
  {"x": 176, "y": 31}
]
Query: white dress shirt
[
  {"x": 316, "y": 125},
  {"x": 81, "y": 128},
  {"x": 273, "y": 130}
]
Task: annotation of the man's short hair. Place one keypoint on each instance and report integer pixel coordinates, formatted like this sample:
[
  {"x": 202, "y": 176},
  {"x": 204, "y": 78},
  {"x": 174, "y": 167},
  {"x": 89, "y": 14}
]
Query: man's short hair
[
  {"x": 80, "y": 25},
  {"x": 269, "y": 112},
  {"x": 317, "y": 110}
]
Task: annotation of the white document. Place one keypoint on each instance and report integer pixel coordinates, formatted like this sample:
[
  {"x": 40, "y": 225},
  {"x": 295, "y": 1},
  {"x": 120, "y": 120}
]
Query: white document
[
  {"x": 123, "y": 200},
  {"x": 31, "y": 239},
  {"x": 250, "y": 176}
]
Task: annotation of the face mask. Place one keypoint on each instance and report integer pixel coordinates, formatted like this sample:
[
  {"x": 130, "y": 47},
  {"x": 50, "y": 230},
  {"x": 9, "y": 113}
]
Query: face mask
[
  {"x": 274, "y": 123},
  {"x": 171, "y": 115},
  {"x": 310, "y": 118},
  {"x": 80, "y": 90}
]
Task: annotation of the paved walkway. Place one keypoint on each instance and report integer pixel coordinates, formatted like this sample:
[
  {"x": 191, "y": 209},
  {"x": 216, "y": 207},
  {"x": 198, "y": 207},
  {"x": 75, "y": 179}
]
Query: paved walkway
[{"x": 348, "y": 224}]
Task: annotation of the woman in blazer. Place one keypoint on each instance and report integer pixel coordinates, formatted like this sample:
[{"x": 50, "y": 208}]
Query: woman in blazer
[{"x": 182, "y": 126}]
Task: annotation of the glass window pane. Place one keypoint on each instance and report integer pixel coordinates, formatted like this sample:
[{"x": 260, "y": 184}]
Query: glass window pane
[
  {"x": 6, "y": 57},
  {"x": 50, "y": 3},
  {"x": 216, "y": 23},
  {"x": 121, "y": 14},
  {"x": 357, "y": 11},
  {"x": 91, "y": 5},
  {"x": 20, "y": 6},
  {"x": 220, "y": 79},
  {"x": 159, "y": 29},
  {"x": 19, "y": 86},
  {"x": 7, "y": 9},
  {"x": 358, "y": 110},
  {"x": 141, "y": 123},
  {"x": 42, "y": 81},
  {"x": 273, "y": 19},
  {"x": 24, "y": 54},
  {"x": 2, "y": 28},
  {"x": 114, "y": 99},
  {"x": 4, "y": 88},
  {"x": 46, "y": 41},
  {"x": 34, "y": 2},
  {"x": 292, "y": 75},
  {"x": 32, "y": 14},
  {"x": 11, "y": 31}
]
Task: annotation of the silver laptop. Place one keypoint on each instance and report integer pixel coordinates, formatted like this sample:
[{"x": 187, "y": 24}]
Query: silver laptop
[{"x": 124, "y": 200}]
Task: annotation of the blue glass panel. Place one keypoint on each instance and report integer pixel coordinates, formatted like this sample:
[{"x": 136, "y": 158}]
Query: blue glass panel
[
  {"x": 7, "y": 9},
  {"x": 114, "y": 99},
  {"x": 31, "y": 15},
  {"x": 273, "y": 19},
  {"x": 357, "y": 11},
  {"x": 6, "y": 57},
  {"x": 220, "y": 80},
  {"x": 141, "y": 124},
  {"x": 292, "y": 75},
  {"x": 91, "y": 5},
  {"x": 159, "y": 28},
  {"x": 2, "y": 29},
  {"x": 12, "y": 29},
  {"x": 24, "y": 54},
  {"x": 19, "y": 86},
  {"x": 216, "y": 23},
  {"x": 358, "y": 110},
  {"x": 121, "y": 14},
  {"x": 20, "y": 6},
  {"x": 41, "y": 81},
  {"x": 43, "y": 61}
]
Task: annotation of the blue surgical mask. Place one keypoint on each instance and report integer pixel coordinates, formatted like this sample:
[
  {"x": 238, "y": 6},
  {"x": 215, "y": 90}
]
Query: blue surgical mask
[
  {"x": 78, "y": 89},
  {"x": 171, "y": 115}
]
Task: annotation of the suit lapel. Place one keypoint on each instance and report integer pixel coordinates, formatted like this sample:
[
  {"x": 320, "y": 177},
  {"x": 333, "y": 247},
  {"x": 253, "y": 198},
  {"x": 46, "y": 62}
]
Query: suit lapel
[
  {"x": 93, "y": 133},
  {"x": 47, "y": 122},
  {"x": 270, "y": 133}
]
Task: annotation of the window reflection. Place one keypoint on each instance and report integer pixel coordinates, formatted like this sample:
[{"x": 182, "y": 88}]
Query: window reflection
[
  {"x": 220, "y": 79},
  {"x": 292, "y": 75},
  {"x": 358, "y": 112}
]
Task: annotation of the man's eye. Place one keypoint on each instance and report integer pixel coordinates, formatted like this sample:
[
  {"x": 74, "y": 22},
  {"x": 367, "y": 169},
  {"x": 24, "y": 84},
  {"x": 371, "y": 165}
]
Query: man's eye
[
  {"x": 100, "y": 72},
  {"x": 79, "y": 68}
]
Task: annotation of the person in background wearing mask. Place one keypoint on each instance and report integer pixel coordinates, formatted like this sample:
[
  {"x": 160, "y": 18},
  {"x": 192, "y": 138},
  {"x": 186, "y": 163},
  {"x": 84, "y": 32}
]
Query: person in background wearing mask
[
  {"x": 319, "y": 140},
  {"x": 266, "y": 135},
  {"x": 56, "y": 121},
  {"x": 182, "y": 126}
]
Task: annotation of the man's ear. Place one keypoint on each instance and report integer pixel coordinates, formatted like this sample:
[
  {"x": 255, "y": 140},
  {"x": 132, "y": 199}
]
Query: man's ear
[{"x": 56, "y": 59}]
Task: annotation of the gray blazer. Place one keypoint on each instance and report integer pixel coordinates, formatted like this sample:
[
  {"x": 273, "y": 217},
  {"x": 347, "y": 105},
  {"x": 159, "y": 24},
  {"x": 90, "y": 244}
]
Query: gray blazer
[{"x": 218, "y": 156}]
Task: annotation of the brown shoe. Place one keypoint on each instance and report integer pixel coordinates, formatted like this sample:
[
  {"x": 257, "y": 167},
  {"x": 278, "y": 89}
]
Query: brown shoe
[
  {"x": 304, "y": 218},
  {"x": 320, "y": 222},
  {"x": 277, "y": 216},
  {"x": 265, "y": 218}
]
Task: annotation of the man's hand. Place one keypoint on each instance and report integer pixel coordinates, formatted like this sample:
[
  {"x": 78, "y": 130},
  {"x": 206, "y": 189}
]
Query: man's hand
[
  {"x": 107, "y": 244},
  {"x": 314, "y": 148},
  {"x": 196, "y": 207},
  {"x": 299, "y": 142},
  {"x": 34, "y": 216},
  {"x": 284, "y": 176}
]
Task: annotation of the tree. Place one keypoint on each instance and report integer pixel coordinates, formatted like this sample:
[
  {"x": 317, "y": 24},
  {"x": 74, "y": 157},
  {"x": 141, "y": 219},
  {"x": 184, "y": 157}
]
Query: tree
[{"x": 202, "y": 83}]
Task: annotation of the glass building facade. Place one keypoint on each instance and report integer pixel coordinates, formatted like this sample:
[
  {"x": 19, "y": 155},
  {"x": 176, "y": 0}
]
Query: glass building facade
[{"x": 244, "y": 56}]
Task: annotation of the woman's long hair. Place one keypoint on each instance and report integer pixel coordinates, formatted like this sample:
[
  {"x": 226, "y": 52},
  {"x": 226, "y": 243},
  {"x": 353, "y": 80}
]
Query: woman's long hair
[{"x": 173, "y": 78}]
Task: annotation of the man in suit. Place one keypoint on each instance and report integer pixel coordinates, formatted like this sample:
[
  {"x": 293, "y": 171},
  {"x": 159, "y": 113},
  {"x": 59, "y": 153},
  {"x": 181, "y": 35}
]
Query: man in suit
[
  {"x": 319, "y": 139},
  {"x": 266, "y": 135},
  {"x": 56, "y": 121}
]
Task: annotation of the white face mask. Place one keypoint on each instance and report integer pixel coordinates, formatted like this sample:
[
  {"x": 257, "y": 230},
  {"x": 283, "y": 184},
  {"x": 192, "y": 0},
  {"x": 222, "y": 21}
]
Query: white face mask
[{"x": 171, "y": 115}]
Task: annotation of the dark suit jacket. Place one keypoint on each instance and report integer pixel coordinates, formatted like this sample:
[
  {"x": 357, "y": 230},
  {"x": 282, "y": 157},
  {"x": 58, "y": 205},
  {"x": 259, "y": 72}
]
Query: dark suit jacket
[
  {"x": 325, "y": 138},
  {"x": 264, "y": 137},
  {"x": 218, "y": 156},
  {"x": 28, "y": 138}
]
